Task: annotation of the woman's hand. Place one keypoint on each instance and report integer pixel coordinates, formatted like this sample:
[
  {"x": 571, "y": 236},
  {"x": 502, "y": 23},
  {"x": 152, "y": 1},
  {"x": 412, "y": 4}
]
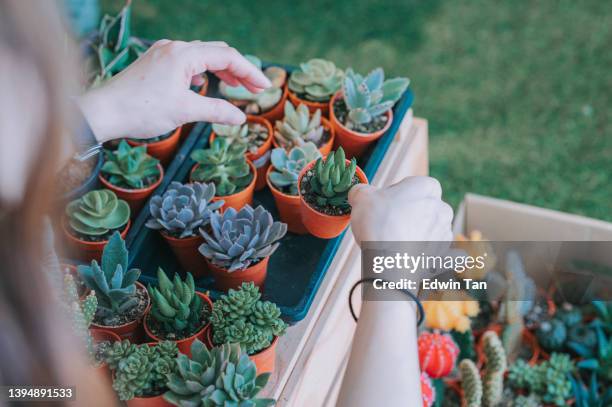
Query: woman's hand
[{"x": 152, "y": 96}]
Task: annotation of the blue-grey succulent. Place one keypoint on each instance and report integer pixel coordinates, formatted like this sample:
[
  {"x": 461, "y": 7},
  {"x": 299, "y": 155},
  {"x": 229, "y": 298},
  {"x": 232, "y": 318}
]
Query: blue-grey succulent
[
  {"x": 298, "y": 127},
  {"x": 287, "y": 166}
]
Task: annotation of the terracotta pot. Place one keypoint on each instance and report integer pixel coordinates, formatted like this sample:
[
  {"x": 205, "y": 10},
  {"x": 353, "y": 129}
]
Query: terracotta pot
[
  {"x": 164, "y": 149},
  {"x": 312, "y": 106},
  {"x": 288, "y": 207},
  {"x": 265, "y": 360},
  {"x": 354, "y": 143},
  {"x": 326, "y": 148},
  {"x": 239, "y": 199},
  {"x": 84, "y": 250},
  {"x": 187, "y": 254},
  {"x": 132, "y": 330},
  {"x": 320, "y": 224},
  {"x": 101, "y": 335},
  {"x": 527, "y": 338},
  {"x": 224, "y": 280},
  {"x": 155, "y": 401},
  {"x": 135, "y": 198},
  {"x": 260, "y": 182},
  {"x": 184, "y": 345},
  {"x": 278, "y": 111}
]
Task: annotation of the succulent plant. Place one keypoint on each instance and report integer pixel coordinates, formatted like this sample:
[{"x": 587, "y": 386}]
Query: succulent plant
[
  {"x": 298, "y": 127},
  {"x": 521, "y": 374},
  {"x": 239, "y": 239},
  {"x": 590, "y": 396},
  {"x": 370, "y": 96},
  {"x": 471, "y": 383},
  {"x": 221, "y": 376},
  {"x": 182, "y": 209},
  {"x": 437, "y": 353},
  {"x": 317, "y": 80},
  {"x": 223, "y": 164},
  {"x": 604, "y": 312},
  {"x": 82, "y": 312},
  {"x": 601, "y": 361},
  {"x": 552, "y": 334},
  {"x": 113, "y": 283},
  {"x": 241, "y": 317},
  {"x": 130, "y": 167},
  {"x": 569, "y": 315},
  {"x": 251, "y": 135},
  {"x": 582, "y": 339},
  {"x": 428, "y": 391},
  {"x": 287, "y": 166},
  {"x": 450, "y": 314},
  {"x": 97, "y": 212},
  {"x": 175, "y": 306}
]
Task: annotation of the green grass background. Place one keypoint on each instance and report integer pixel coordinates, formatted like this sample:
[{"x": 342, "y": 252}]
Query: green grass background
[{"x": 517, "y": 93}]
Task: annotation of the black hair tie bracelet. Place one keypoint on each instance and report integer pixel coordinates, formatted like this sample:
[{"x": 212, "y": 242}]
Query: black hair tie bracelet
[{"x": 408, "y": 293}]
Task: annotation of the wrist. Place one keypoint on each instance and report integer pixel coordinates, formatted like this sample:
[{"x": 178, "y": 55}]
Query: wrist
[{"x": 101, "y": 113}]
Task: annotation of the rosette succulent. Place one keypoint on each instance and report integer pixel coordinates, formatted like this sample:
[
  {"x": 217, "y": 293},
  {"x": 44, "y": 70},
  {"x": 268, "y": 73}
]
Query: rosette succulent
[
  {"x": 239, "y": 239},
  {"x": 317, "y": 80},
  {"x": 298, "y": 128},
  {"x": 97, "y": 212},
  {"x": 287, "y": 166},
  {"x": 130, "y": 167},
  {"x": 251, "y": 135},
  {"x": 182, "y": 209},
  {"x": 223, "y": 164}
]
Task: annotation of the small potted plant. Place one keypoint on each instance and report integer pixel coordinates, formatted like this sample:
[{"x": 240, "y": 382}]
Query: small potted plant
[
  {"x": 361, "y": 113},
  {"x": 282, "y": 180},
  {"x": 256, "y": 134},
  {"x": 299, "y": 127},
  {"x": 122, "y": 300},
  {"x": 324, "y": 185},
  {"x": 177, "y": 214},
  {"x": 131, "y": 174},
  {"x": 241, "y": 317},
  {"x": 91, "y": 220},
  {"x": 161, "y": 147},
  {"x": 269, "y": 103},
  {"x": 178, "y": 312},
  {"x": 221, "y": 376},
  {"x": 314, "y": 84},
  {"x": 238, "y": 245},
  {"x": 225, "y": 165}
]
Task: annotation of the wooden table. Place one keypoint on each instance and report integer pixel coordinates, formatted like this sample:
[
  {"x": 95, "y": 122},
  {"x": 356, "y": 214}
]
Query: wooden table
[{"x": 312, "y": 355}]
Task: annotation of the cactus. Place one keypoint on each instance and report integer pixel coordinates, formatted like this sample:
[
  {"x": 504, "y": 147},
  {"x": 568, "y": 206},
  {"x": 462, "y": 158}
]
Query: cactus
[
  {"x": 241, "y": 317},
  {"x": 437, "y": 353},
  {"x": 496, "y": 367},
  {"x": 317, "y": 80},
  {"x": 298, "y": 127},
  {"x": 239, "y": 239},
  {"x": 223, "y": 164},
  {"x": 182, "y": 209},
  {"x": 97, "y": 212},
  {"x": 130, "y": 167},
  {"x": 569, "y": 315},
  {"x": 428, "y": 391},
  {"x": 552, "y": 334},
  {"x": 448, "y": 315},
  {"x": 471, "y": 383},
  {"x": 251, "y": 135},
  {"x": 113, "y": 283},
  {"x": 81, "y": 311},
  {"x": 222, "y": 376},
  {"x": 287, "y": 166},
  {"x": 176, "y": 307}
]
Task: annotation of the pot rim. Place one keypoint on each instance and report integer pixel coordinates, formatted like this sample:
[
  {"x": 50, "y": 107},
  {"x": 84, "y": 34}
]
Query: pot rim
[
  {"x": 151, "y": 187},
  {"x": 219, "y": 197},
  {"x": 165, "y": 235},
  {"x": 65, "y": 225},
  {"x": 214, "y": 266},
  {"x": 326, "y": 125},
  {"x": 264, "y": 147},
  {"x": 135, "y": 321},
  {"x": 364, "y": 136},
  {"x": 293, "y": 97}
]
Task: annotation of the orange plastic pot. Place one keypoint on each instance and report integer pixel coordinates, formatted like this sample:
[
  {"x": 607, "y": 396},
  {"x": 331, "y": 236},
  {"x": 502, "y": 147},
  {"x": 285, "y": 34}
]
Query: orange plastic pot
[
  {"x": 84, "y": 250},
  {"x": 354, "y": 143},
  {"x": 265, "y": 360},
  {"x": 288, "y": 207},
  {"x": 278, "y": 111},
  {"x": 312, "y": 106},
  {"x": 187, "y": 253},
  {"x": 164, "y": 149},
  {"x": 155, "y": 401},
  {"x": 239, "y": 199},
  {"x": 326, "y": 148},
  {"x": 135, "y": 198},
  {"x": 320, "y": 224},
  {"x": 225, "y": 280},
  {"x": 101, "y": 335},
  {"x": 184, "y": 345},
  {"x": 132, "y": 330}
]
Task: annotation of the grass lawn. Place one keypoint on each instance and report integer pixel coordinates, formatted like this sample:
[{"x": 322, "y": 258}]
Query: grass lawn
[{"x": 517, "y": 94}]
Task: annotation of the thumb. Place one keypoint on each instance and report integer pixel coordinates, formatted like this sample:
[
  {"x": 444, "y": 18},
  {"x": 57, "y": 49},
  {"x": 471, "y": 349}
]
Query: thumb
[{"x": 205, "y": 109}]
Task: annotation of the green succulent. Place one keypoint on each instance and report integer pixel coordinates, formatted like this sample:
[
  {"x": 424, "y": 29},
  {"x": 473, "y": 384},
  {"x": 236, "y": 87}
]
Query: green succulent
[
  {"x": 522, "y": 376},
  {"x": 241, "y": 317},
  {"x": 527, "y": 401},
  {"x": 234, "y": 134},
  {"x": 590, "y": 396},
  {"x": 582, "y": 340},
  {"x": 175, "y": 306},
  {"x": 604, "y": 311},
  {"x": 298, "y": 127},
  {"x": 97, "y": 212},
  {"x": 470, "y": 383},
  {"x": 316, "y": 80},
  {"x": 117, "y": 352},
  {"x": 222, "y": 376},
  {"x": 113, "y": 283},
  {"x": 287, "y": 166},
  {"x": 370, "y": 96},
  {"x": 569, "y": 315},
  {"x": 601, "y": 360},
  {"x": 82, "y": 312},
  {"x": 223, "y": 164},
  {"x": 552, "y": 334},
  {"x": 130, "y": 167}
]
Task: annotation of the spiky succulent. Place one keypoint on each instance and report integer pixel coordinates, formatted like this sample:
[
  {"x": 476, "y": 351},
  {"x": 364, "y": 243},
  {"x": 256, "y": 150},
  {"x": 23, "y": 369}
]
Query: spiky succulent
[
  {"x": 370, "y": 96},
  {"x": 239, "y": 239},
  {"x": 298, "y": 127},
  {"x": 113, "y": 283},
  {"x": 470, "y": 383},
  {"x": 183, "y": 208},
  {"x": 317, "y": 80},
  {"x": 287, "y": 166},
  {"x": 82, "y": 312},
  {"x": 222, "y": 376},
  {"x": 175, "y": 306},
  {"x": 130, "y": 167},
  {"x": 241, "y": 317},
  {"x": 552, "y": 334},
  {"x": 97, "y": 212},
  {"x": 223, "y": 164}
]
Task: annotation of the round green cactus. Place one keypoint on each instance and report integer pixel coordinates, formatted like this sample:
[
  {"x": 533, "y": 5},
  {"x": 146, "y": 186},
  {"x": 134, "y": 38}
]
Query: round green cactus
[
  {"x": 287, "y": 166},
  {"x": 130, "y": 167},
  {"x": 332, "y": 180},
  {"x": 317, "y": 80},
  {"x": 299, "y": 127},
  {"x": 552, "y": 334},
  {"x": 97, "y": 212}
]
